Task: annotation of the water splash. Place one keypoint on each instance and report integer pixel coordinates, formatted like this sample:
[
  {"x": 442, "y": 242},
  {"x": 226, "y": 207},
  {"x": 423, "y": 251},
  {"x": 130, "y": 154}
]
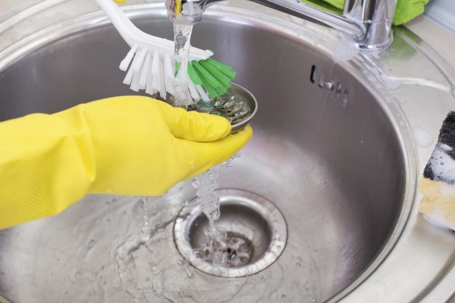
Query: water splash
[
  {"x": 145, "y": 232},
  {"x": 209, "y": 202}
]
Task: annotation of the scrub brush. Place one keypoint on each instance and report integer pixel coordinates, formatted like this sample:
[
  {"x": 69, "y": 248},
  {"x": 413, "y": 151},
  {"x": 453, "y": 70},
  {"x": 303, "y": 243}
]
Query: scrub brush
[{"x": 151, "y": 68}]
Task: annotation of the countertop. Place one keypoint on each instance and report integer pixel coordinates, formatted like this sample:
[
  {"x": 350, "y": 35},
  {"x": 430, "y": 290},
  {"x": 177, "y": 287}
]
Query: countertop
[{"x": 441, "y": 39}]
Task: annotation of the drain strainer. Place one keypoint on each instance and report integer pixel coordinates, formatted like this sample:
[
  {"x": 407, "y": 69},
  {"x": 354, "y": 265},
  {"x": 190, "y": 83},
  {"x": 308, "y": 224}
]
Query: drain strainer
[{"x": 255, "y": 234}]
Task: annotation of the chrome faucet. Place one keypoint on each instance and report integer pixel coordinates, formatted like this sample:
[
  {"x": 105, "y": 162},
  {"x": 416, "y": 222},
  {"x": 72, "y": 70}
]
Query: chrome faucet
[{"x": 368, "y": 22}]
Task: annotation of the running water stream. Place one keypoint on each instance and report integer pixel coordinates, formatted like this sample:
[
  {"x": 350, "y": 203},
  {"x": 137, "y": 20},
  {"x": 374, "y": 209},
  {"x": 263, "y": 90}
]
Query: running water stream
[
  {"x": 209, "y": 202},
  {"x": 205, "y": 183},
  {"x": 182, "y": 36}
]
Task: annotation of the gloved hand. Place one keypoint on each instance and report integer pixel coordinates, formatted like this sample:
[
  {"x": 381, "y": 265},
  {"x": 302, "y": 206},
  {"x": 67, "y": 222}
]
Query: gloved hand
[{"x": 125, "y": 145}]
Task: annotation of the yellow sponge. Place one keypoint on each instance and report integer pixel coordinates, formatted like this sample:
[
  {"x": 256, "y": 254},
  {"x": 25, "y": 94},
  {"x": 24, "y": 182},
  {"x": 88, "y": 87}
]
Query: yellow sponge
[{"x": 438, "y": 182}]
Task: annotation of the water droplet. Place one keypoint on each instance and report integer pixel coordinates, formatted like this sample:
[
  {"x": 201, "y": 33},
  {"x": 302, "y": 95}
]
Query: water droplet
[
  {"x": 422, "y": 136},
  {"x": 195, "y": 183},
  {"x": 296, "y": 20},
  {"x": 90, "y": 244},
  {"x": 189, "y": 273}
]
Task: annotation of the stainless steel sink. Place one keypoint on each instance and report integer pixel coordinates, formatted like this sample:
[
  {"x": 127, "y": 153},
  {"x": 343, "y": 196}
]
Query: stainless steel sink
[{"x": 331, "y": 151}]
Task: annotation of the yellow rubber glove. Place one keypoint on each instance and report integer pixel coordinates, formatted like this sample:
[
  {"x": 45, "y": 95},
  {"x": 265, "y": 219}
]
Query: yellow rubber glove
[{"x": 125, "y": 145}]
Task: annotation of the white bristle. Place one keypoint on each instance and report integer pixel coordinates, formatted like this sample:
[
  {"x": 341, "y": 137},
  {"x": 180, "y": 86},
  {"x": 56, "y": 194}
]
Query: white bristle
[
  {"x": 193, "y": 90},
  {"x": 162, "y": 81},
  {"x": 131, "y": 75},
  {"x": 203, "y": 94},
  {"x": 168, "y": 74},
  {"x": 155, "y": 72},
  {"x": 139, "y": 60},
  {"x": 135, "y": 83},
  {"x": 128, "y": 77},
  {"x": 127, "y": 60},
  {"x": 148, "y": 86},
  {"x": 156, "y": 58},
  {"x": 145, "y": 70}
]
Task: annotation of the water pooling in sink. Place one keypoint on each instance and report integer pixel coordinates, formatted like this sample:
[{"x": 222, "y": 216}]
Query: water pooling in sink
[{"x": 120, "y": 267}]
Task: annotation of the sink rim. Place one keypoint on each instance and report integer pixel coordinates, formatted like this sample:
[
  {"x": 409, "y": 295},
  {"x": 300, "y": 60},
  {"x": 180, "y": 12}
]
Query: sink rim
[{"x": 66, "y": 28}]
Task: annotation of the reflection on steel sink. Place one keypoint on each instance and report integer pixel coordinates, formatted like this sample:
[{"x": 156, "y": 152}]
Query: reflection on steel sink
[{"x": 332, "y": 151}]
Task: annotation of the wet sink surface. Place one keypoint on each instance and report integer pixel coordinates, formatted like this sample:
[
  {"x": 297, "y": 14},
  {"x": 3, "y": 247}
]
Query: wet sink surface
[{"x": 332, "y": 161}]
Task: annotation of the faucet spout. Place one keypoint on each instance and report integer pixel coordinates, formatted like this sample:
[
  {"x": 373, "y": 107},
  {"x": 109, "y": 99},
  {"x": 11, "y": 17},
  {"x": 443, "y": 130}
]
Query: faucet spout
[
  {"x": 316, "y": 15},
  {"x": 368, "y": 22},
  {"x": 186, "y": 11}
]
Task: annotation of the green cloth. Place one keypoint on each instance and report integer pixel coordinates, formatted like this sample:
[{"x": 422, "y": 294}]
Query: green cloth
[{"x": 405, "y": 11}]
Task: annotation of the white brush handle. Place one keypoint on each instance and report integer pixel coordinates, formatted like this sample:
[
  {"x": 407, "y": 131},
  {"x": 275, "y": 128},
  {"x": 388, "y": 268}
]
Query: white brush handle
[{"x": 134, "y": 36}]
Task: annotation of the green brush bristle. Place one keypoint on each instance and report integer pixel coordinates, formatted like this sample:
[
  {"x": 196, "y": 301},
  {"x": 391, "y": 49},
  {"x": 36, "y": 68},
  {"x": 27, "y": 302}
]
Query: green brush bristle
[
  {"x": 214, "y": 76},
  {"x": 205, "y": 75},
  {"x": 225, "y": 81},
  {"x": 193, "y": 75},
  {"x": 202, "y": 80},
  {"x": 210, "y": 89},
  {"x": 202, "y": 72},
  {"x": 225, "y": 69}
]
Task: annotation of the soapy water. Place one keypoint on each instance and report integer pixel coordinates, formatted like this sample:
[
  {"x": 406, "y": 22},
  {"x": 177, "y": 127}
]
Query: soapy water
[
  {"x": 422, "y": 136},
  {"x": 209, "y": 203},
  {"x": 442, "y": 164},
  {"x": 345, "y": 48}
]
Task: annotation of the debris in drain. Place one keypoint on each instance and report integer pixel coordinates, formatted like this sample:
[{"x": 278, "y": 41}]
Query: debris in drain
[
  {"x": 234, "y": 250},
  {"x": 231, "y": 254}
]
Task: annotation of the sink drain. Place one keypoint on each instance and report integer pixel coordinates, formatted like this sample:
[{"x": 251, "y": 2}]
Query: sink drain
[{"x": 255, "y": 234}]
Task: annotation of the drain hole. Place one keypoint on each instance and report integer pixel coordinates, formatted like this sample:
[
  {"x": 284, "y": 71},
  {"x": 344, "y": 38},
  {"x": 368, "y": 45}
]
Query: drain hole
[
  {"x": 313, "y": 74},
  {"x": 254, "y": 234},
  {"x": 248, "y": 234}
]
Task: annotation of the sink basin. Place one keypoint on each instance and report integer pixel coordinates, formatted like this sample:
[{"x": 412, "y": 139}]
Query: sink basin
[{"x": 329, "y": 152}]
